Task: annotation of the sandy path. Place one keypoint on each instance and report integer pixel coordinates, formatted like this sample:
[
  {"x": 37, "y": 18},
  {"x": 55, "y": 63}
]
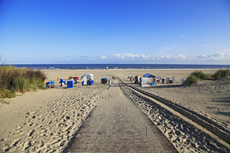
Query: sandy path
[
  {"x": 118, "y": 125},
  {"x": 45, "y": 121}
]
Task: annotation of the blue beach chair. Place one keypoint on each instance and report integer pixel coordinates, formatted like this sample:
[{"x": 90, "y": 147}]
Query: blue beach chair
[{"x": 61, "y": 81}]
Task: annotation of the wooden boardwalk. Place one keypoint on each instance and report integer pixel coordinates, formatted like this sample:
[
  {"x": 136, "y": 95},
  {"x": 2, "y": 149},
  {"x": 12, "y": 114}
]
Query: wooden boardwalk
[{"x": 118, "y": 125}]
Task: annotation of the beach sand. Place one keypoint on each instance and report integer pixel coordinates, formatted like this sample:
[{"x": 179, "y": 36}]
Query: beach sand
[{"x": 47, "y": 120}]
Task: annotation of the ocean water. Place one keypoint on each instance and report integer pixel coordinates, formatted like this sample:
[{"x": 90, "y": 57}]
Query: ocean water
[{"x": 120, "y": 66}]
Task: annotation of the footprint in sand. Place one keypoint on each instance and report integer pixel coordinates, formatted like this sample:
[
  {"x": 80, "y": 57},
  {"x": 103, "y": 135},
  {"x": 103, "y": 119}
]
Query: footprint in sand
[
  {"x": 31, "y": 133},
  {"x": 27, "y": 144},
  {"x": 14, "y": 142}
]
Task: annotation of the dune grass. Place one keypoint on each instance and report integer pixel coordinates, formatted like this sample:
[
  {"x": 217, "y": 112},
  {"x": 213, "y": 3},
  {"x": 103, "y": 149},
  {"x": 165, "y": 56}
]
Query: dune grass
[
  {"x": 192, "y": 79},
  {"x": 197, "y": 75},
  {"x": 201, "y": 75},
  {"x": 13, "y": 80},
  {"x": 221, "y": 73}
]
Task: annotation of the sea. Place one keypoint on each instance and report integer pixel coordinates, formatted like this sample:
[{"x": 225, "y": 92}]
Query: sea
[{"x": 119, "y": 66}]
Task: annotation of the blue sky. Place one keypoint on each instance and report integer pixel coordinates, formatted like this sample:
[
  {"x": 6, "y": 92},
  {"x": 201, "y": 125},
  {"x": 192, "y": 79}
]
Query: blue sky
[{"x": 115, "y": 31}]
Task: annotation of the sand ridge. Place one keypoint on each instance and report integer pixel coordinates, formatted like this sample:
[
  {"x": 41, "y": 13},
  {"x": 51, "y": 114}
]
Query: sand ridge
[{"x": 185, "y": 136}]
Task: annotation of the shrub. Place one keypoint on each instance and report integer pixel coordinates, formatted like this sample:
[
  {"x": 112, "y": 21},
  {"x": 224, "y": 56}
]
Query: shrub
[
  {"x": 197, "y": 75},
  {"x": 7, "y": 94},
  {"x": 201, "y": 75},
  {"x": 221, "y": 73},
  {"x": 192, "y": 79},
  {"x": 22, "y": 84},
  {"x": 13, "y": 79},
  {"x": 37, "y": 83}
]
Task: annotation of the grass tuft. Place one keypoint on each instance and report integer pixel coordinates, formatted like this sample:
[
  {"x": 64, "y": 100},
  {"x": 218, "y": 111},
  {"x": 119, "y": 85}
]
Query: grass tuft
[
  {"x": 13, "y": 79},
  {"x": 192, "y": 79},
  {"x": 221, "y": 73},
  {"x": 197, "y": 75},
  {"x": 201, "y": 75},
  {"x": 7, "y": 94}
]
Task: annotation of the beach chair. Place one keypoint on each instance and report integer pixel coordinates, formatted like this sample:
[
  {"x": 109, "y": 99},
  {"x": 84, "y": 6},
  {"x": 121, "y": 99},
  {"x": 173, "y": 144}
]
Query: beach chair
[
  {"x": 137, "y": 78},
  {"x": 84, "y": 80},
  {"x": 170, "y": 81},
  {"x": 165, "y": 80},
  {"x": 130, "y": 78},
  {"x": 158, "y": 79},
  {"x": 144, "y": 82},
  {"x": 75, "y": 81},
  {"x": 50, "y": 84},
  {"x": 104, "y": 81},
  {"x": 69, "y": 84},
  {"x": 133, "y": 79},
  {"x": 62, "y": 82},
  {"x": 90, "y": 82}
]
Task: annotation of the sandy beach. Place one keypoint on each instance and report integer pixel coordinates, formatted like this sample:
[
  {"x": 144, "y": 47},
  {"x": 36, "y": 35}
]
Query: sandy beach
[{"x": 47, "y": 120}]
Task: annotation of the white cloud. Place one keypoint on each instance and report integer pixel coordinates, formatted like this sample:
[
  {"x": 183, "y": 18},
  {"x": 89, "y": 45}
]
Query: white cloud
[
  {"x": 121, "y": 56},
  {"x": 131, "y": 56},
  {"x": 103, "y": 57},
  {"x": 149, "y": 57},
  {"x": 128, "y": 55},
  {"x": 125, "y": 57},
  {"x": 217, "y": 56},
  {"x": 117, "y": 55},
  {"x": 181, "y": 57},
  {"x": 175, "y": 57}
]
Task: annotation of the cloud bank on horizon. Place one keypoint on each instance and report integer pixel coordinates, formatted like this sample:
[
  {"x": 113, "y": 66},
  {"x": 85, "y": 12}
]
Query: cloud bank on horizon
[
  {"x": 126, "y": 58},
  {"x": 115, "y": 32}
]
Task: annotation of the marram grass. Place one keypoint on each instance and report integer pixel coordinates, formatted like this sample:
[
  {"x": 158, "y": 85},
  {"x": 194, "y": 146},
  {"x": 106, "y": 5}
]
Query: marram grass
[
  {"x": 201, "y": 75},
  {"x": 197, "y": 75},
  {"x": 13, "y": 80},
  {"x": 221, "y": 73}
]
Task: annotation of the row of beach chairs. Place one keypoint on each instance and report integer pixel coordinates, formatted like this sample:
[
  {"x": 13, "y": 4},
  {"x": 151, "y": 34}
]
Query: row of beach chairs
[{"x": 156, "y": 80}]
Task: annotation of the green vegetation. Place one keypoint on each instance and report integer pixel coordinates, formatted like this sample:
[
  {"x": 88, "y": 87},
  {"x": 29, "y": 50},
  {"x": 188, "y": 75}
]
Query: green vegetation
[
  {"x": 13, "y": 80},
  {"x": 221, "y": 73},
  {"x": 201, "y": 75},
  {"x": 4, "y": 93},
  {"x": 192, "y": 79},
  {"x": 197, "y": 75}
]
